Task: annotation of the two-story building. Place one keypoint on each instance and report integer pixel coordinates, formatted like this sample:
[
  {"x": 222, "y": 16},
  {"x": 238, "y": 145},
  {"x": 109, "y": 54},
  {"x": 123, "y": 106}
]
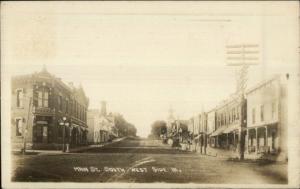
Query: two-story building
[
  {"x": 40, "y": 103},
  {"x": 267, "y": 116},
  {"x": 230, "y": 120}
]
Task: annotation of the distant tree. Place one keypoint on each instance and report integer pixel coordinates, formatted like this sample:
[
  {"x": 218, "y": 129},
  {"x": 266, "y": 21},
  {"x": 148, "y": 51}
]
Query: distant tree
[
  {"x": 124, "y": 128},
  {"x": 158, "y": 128}
]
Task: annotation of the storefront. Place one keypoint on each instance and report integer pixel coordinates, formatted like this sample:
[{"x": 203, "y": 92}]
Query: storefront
[
  {"x": 262, "y": 139},
  {"x": 42, "y": 129}
]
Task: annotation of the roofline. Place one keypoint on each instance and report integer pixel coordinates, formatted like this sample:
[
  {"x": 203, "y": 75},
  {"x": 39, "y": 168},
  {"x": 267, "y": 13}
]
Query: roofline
[{"x": 262, "y": 83}]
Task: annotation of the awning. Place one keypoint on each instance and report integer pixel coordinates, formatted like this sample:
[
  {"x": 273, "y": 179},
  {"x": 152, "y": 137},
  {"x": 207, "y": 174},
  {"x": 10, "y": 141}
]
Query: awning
[
  {"x": 42, "y": 122},
  {"x": 218, "y": 131},
  {"x": 74, "y": 125},
  {"x": 231, "y": 128}
]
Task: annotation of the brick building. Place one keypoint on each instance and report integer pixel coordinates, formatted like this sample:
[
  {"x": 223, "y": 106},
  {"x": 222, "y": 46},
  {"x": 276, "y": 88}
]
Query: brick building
[{"x": 39, "y": 103}]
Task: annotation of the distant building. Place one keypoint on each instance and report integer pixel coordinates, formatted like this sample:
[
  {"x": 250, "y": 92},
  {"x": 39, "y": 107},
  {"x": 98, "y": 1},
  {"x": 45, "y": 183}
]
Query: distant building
[
  {"x": 91, "y": 122},
  {"x": 101, "y": 125},
  {"x": 211, "y": 127},
  {"x": 171, "y": 124},
  {"x": 198, "y": 132},
  {"x": 39, "y": 103}
]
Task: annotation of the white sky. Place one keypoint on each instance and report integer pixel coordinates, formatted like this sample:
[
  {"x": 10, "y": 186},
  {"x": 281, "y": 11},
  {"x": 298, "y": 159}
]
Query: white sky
[{"x": 144, "y": 57}]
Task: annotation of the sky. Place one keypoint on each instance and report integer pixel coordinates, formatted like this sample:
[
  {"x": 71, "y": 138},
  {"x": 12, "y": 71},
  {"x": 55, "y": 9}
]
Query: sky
[{"x": 144, "y": 57}]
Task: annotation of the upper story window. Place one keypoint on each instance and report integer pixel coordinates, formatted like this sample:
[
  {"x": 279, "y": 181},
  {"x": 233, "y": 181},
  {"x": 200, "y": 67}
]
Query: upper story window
[
  {"x": 19, "y": 127},
  {"x": 273, "y": 109},
  {"x": 59, "y": 100},
  {"x": 262, "y": 113},
  {"x": 253, "y": 115},
  {"x": 20, "y": 95},
  {"x": 84, "y": 114},
  {"x": 43, "y": 98},
  {"x": 76, "y": 108},
  {"x": 234, "y": 114},
  {"x": 222, "y": 119},
  {"x": 79, "y": 111},
  {"x": 67, "y": 106},
  {"x": 71, "y": 106}
]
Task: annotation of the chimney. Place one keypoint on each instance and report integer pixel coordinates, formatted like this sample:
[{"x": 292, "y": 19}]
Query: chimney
[{"x": 103, "y": 108}]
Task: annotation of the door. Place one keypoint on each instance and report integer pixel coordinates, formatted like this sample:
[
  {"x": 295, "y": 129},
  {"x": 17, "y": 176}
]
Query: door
[{"x": 45, "y": 134}]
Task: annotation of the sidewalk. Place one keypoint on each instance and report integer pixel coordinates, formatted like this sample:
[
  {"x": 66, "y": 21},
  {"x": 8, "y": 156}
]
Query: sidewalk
[
  {"x": 72, "y": 150},
  {"x": 95, "y": 145}
]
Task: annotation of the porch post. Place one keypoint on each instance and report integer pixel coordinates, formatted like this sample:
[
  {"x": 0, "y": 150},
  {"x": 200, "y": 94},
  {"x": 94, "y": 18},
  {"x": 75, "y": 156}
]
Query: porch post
[
  {"x": 227, "y": 141},
  {"x": 234, "y": 138},
  {"x": 247, "y": 141},
  {"x": 256, "y": 150},
  {"x": 266, "y": 140}
]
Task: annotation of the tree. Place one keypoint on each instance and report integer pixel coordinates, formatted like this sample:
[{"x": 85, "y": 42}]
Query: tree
[
  {"x": 158, "y": 128},
  {"x": 124, "y": 128}
]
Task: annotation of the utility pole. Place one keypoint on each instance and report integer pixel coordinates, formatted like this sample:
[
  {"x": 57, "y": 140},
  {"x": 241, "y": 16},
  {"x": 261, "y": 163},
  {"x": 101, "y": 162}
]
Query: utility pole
[
  {"x": 27, "y": 125},
  {"x": 242, "y": 56}
]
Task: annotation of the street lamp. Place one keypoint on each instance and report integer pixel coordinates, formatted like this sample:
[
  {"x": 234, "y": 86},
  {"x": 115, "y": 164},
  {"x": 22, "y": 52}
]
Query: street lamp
[{"x": 64, "y": 123}]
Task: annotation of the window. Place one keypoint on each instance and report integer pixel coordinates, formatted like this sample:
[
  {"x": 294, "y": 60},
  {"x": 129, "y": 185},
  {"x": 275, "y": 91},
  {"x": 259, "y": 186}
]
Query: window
[
  {"x": 43, "y": 98},
  {"x": 19, "y": 98},
  {"x": 234, "y": 115},
  {"x": 71, "y": 106},
  {"x": 237, "y": 113},
  {"x": 19, "y": 127},
  {"x": 46, "y": 99},
  {"x": 273, "y": 109},
  {"x": 67, "y": 106},
  {"x": 80, "y": 112},
  {"x": 40, "y": 99},
  {"x": 59, "y": 100},
  {"x": 253, "y": 115},
  {"x": 76, "y": 109},
  {"x": 262, "y": 113}
]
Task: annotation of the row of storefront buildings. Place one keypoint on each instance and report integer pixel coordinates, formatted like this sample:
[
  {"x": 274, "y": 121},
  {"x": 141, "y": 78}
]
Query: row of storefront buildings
[
  {"x": 46, "y": 113},
  {"x": 254, "y": 126}
]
